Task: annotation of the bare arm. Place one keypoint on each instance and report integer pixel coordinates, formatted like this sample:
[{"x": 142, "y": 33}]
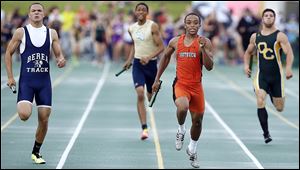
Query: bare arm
[
  {"x": 60, "y": 59},
  {"x": 157, "y": 41},
  {"x": 288, "y": 51},
  {"x": 164, "y": 62},
  {"x": 131, "y": 54},
  {"x": 207, "y": 55},
  {"x": 248, "y": 53},
  {"x": 11, "y": 48}
]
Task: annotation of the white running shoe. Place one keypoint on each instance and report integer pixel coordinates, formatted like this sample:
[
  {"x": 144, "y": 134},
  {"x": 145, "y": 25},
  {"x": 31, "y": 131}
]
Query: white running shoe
[
  {"x": 193, "y": 158},
  {"x": 179, "y": 140},
  {"x": 37, "y": 158}
]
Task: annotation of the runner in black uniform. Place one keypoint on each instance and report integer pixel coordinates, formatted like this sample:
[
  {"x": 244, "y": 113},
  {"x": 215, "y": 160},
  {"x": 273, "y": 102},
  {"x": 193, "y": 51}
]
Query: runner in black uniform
[{"x": 269, "y": 78}]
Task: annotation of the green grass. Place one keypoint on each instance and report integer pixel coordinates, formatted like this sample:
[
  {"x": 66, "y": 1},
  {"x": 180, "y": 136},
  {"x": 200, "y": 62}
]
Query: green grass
[{"x": 174, "y": 8}]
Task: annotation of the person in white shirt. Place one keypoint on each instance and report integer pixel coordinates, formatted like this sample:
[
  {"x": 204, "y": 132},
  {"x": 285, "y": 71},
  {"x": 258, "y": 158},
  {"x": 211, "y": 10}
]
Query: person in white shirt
[{"x": 147, "y": 45}]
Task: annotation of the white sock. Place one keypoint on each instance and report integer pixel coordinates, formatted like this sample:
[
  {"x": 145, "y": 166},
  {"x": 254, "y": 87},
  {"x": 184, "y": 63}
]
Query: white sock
[
  {"x": 193, "y": 146},
  {"x": 181, "y": 128}
]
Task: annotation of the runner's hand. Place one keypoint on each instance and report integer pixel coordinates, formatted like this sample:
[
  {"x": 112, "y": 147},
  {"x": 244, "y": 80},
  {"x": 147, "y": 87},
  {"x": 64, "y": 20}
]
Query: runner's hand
[
  {"x": 11, "y": 82},
  {"x": 289, "y": 73},
  {"x": 61, "y": 62},
  {"x": 155, "y": 86},
  {"x": 144, "y": 60},
  {"x": 127, "y": 65},
  {"x": 247, "y": 71},
  {"x": 202, "y": 42}
]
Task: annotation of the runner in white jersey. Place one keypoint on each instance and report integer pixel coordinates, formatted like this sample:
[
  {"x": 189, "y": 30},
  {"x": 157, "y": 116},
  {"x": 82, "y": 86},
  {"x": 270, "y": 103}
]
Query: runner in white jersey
[
  {"x": 35, "y": 42},
  {"x": 148, "y": 44}
]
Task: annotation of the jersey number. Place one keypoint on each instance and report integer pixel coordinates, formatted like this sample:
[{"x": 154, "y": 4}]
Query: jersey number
[{"x": 263, "y": 49}]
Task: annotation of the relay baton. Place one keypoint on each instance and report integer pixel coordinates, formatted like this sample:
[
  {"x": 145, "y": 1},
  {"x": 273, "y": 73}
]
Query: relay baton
[
  {"x": 13, "y": 88},
  {"x": 154, "y": 95},
  {"x": 124, "y": 69},
  {"x": 251, "y": 63}
]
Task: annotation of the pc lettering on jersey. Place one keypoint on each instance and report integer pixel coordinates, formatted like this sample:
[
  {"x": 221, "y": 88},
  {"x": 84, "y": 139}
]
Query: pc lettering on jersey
[{"x": 38, "y": 59}]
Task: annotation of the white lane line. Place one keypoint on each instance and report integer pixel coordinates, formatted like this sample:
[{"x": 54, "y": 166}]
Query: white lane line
[
  {"x": 237, "y": 88},
  {"x": 291, "y": 93},
  {"x": 56, "y": 83},
  {"x": 155, "y": 136},
  {"x": 159, "y": 156},
  {"x": 6, "y": 124},
  {"x": 4, "y": 85},
  {"x": 233, "y": 135},
  {"x": 84, "y": 116}
]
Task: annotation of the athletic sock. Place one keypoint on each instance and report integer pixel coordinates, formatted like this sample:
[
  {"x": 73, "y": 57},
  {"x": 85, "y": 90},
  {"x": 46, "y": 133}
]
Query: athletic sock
[
  {"x": 36, "y": 147},
  {"x": 193, "y": 146},
  {"x": 181, "y": 128},
  {"x": 263, "y": 119},
  {"x": 144, "y": 126}
]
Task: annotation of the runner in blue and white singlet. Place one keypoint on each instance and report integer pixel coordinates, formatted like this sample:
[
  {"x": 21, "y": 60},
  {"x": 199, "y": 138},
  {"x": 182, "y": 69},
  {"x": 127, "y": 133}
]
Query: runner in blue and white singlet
[
  {"x": 35, "y": 71},
  {"x": 35, "y": 42}
]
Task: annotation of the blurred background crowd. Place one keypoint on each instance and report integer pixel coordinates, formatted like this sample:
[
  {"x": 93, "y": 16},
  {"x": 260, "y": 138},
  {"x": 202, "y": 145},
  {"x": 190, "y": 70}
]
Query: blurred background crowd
[{"x": 97, "y": 31}]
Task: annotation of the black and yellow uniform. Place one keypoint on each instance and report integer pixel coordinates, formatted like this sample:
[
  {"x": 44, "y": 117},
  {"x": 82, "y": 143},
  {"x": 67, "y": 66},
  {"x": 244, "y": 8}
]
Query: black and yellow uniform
[{"x": 269, "y": 73}]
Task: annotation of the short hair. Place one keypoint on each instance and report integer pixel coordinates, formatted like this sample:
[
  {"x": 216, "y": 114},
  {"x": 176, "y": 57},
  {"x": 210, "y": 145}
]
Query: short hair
[
  {"x": 35, "y": 3},
  {"x": 268, "y": 10},
  {"x": 192, "y": 13},
  {"x": 142, "y": 3}
]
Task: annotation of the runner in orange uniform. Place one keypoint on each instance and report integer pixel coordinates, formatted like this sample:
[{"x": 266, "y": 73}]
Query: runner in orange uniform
[{"x": 192, "y": 52}]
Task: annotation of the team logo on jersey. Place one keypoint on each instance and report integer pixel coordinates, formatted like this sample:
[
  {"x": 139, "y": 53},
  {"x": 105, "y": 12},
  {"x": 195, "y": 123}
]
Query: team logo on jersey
[
  {"x": 140, "y": 36},
  {"x": 38, "y": 60},
  {"x": 38, "y": 63}
]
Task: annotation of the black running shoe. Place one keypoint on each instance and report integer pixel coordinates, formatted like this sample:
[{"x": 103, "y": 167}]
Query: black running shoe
[{"x": 267, "y": 138}]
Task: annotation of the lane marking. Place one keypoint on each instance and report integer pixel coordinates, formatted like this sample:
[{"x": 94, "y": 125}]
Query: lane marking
[
  {"x": 55, "y": 83},
  {"x": 6, "y": 124},
  {"x": 159, "y": 157},
  {"x": 156, "y": 139},
  {"x": 233, "y": 135},
  {"x": 84, "y": 116},
  {"x": 291, "y": 93},
  {"x": 4, "y": 85},
  {"x": 253, "y": 99}
]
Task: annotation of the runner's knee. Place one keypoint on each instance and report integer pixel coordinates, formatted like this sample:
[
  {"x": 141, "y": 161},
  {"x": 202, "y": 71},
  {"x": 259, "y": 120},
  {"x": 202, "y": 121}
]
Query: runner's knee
[
  {"x": 24, "y": 111},
  {"x": 44, "y": 122},
  {"x": 279, "y": 104},
  {"x": 279, "y": 107},
  {"x": 24, "y": 115},
  {"x": 140, "y": 97},
  {"x": 260, "y": 102},
  {"x": 183, "y": 108},
  {"x": 197, "y": 123}
]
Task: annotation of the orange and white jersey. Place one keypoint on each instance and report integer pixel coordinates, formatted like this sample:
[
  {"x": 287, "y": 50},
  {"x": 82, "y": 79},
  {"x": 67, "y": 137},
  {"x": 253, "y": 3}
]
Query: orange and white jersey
[{"x": 189, "y": 65}]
